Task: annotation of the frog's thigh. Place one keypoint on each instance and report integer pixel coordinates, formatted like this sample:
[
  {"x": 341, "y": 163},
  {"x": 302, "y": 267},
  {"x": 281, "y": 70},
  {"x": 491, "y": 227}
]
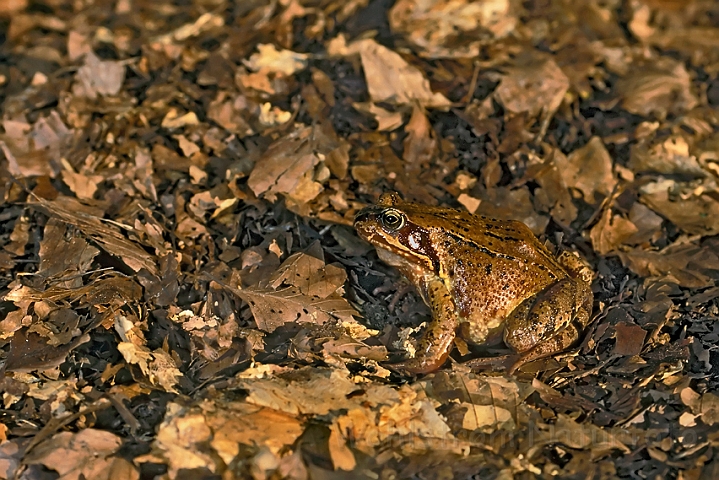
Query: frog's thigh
[
  {"x": 438, "y": 338},
  {"x": 552, "y": 314}
]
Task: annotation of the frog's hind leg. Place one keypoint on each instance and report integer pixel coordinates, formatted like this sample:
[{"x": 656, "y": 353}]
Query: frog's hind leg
[
  {"x": 550, "y": 322},
  {"x": 438, "y": 338}
]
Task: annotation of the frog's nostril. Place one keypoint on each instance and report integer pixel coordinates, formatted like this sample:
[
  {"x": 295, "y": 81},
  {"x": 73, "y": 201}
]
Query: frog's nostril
[{"x": 361, "y": 217}]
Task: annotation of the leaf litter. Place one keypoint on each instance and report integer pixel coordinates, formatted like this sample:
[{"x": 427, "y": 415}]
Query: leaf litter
[{"x": 182, "y": 296}]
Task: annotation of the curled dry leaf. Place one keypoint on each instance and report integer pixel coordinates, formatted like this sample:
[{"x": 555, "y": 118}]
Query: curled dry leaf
[{"x": 269, "y": 59}]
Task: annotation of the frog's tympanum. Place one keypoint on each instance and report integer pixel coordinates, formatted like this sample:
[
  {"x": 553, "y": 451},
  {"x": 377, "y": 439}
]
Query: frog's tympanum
[{"x": 482, "y": 277}]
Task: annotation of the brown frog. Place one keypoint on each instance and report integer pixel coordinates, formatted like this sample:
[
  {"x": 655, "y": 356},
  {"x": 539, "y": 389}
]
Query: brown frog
[{"x": 486, "y": 278}]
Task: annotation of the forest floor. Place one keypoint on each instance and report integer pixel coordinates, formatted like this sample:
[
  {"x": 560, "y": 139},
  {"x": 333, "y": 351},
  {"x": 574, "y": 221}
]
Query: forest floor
[{"x": 184, "y": 296}]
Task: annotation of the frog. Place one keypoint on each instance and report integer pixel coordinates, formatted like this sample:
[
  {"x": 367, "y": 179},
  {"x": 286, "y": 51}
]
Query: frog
[{"x": 487, "y": 280}]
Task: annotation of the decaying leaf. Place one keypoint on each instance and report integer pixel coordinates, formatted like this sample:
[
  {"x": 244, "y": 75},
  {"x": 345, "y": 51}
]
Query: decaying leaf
[
  {"x": 657, "y": 89},
  {"x": 98, "y": 77},
  {"x": 695, "y": 211},
  {"x": 303, "y": 289},
  {"x": 589, "y": 169},
  {"x": 144, "y": 151},
  {"x": 532, "y": 76},
  {"x": 89, "y": 453},
  {"x": 434, "y": 26},
  {"x": 389, "y": 77}
]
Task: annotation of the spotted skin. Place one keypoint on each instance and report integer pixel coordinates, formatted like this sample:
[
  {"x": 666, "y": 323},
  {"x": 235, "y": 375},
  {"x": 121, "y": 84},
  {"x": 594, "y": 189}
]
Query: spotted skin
[{"x": 493, "y": 277}]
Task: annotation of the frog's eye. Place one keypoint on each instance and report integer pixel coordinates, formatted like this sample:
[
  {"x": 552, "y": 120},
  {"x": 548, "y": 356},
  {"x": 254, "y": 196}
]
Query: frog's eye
[{"x": 392, "y": 219}]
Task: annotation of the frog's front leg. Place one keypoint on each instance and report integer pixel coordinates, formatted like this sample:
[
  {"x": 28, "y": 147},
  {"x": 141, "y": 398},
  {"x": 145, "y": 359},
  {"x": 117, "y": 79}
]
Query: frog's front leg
[
  {"x": 550, "y": 322},
  {"x": 438, "y": 338}
]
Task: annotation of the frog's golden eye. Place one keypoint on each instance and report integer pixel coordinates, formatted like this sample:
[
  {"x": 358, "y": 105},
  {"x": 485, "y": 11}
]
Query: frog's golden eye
[{"x": 392, "y": 219}]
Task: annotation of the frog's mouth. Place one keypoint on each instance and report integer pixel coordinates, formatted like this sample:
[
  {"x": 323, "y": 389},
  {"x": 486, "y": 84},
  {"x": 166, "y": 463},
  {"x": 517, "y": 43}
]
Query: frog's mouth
[{"x": 366, "y": 225}]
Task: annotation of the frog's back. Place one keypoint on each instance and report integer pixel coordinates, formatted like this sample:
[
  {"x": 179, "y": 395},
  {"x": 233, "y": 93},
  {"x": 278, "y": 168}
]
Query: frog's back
[{"x": 491, "y": 265}]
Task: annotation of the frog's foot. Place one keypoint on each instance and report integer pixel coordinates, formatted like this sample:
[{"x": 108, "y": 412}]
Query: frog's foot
[
  {"x": 500, "y": 363},
  {"x": 561, "y": 341},
  {"x": 418, "y": 365},
  {"x": 438, "y": 339}
]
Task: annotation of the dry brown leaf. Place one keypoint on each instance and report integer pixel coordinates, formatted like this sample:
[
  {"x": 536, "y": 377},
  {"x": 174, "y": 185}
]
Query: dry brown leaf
[
  {"x": 483, "y": 417},
  {"x": 657, "y": 88},
  {"x": 533, "y": 77},
  {"x": 386, "y": 120},
  {"x": 310, "y": 274},
  {"x": 670, "y": 156},
  {"x": 710, "y": 408},
  {"x": 303, "y": 289},
  {"x": 516, "y": 204},
  {"x": 233, "y": 114},
  {"x": 695, "y": 211},
  {"x": 630, "y": 339},
  {"x": 683, "y": 30},
  {"x": 688, "y": 265},
  {"x": 610, "y": 232},
  {"x": 35, "y": 150},
  {"x": 9, "y": 7},
  {"x": 580, "y": 436},
  {"x": 84, "y": 186},
  {"x": 211, "y": 435},
  {"x": 389, "y": 77},
  {"x": 288, "y": 168},
  {"x": 318, "y": 391},
  {"x": 30, "y": 352},
  {"x": 588, "y": 169},
  {"x": 342, "y": 456},
  {"x": 553, "y": 196},
  {"x": 110, "y": 239},
  {"x": 204, "y": 23},
  {"x": 648, "y": 224},
  {"x": 19, "y": 237},
  {"x": 87, "y": 454},
  {"x": 434, "y": 26},
  {"x": 97, "y": 77},
  {"x": 270, "y": 60}
]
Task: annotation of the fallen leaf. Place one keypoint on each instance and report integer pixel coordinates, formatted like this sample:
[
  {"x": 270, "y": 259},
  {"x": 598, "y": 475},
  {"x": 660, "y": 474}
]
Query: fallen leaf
[
  {"x": 97, "y": 77},
  {"x": 532, "y": 76},
  {"x": 657, "y": 88},
  {"x": 89, "y": 453},
  {"x": 630, "y": 339},
  {"x": 610, "y": 232},
  {"x": 434, "y": 26},
  {"x": 589, "y": 169},
  {"x": 695, "y": 211},
  {"x": 390, "y": 78},
  {"x": 269, "y": 59}
]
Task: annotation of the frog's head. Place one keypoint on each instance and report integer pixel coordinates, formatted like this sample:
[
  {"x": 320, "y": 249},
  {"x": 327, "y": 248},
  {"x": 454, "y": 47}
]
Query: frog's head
[{"x": 397, "y": 227}]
